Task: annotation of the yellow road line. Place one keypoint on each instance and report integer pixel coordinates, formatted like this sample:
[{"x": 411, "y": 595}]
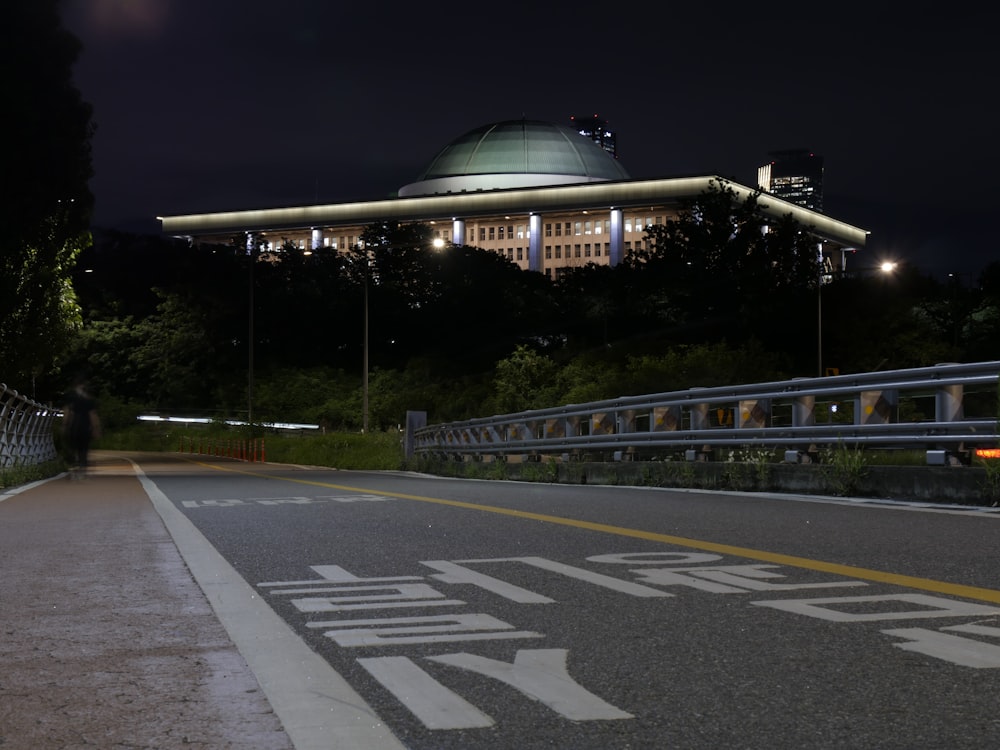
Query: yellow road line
[{"x": 849, "y": 571}]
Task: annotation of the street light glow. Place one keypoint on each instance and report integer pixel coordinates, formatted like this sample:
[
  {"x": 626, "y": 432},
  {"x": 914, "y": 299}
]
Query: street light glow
[{"x": 888, "y": 267}]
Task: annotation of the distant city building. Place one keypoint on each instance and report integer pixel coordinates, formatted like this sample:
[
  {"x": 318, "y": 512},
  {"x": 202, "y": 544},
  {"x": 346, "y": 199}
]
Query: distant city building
[
  {"x": 539, "y": 194},
  {"x": 794, "y": 175},
  {"x": 598, "y": 131}
]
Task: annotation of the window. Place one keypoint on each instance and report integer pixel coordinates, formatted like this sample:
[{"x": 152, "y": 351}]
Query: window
[
  {"x": 586, "y": 250},
  {"x": 588, "y": 227},
  {"x": 548, "y": 252},
  {"x": 500, "y": 233},
  {"x": 520, "y": 253},
  {"x": 558, "y": 251},
  {"x": 492, "y": 232},
  {"x": 576, "y": 251},
  {"x": 548, "y": 230},
  {"x": 578, "y": 227},
  {"x": 559, "y": 229},
  {"x": 520, "y": 231},
  {"x": 482, "y": 234}
]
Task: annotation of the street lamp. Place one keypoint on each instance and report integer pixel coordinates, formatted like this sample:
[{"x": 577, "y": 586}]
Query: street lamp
[
  {"x": 364, "y": 381},
  {"x": 251, "y": 246},
  {"x": 821, "y": 275},
  {"x": 437, "y": 243}
]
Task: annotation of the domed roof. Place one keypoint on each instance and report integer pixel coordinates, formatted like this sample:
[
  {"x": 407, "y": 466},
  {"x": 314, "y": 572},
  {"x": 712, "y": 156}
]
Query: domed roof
[{"x": 516, "y": 153}]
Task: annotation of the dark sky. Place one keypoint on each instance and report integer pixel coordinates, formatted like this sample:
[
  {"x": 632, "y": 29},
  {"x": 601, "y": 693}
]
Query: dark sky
[{"x": 208, "y": 105}]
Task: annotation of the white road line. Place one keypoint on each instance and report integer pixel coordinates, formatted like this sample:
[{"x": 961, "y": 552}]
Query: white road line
[{"x": 318, "y": 708}]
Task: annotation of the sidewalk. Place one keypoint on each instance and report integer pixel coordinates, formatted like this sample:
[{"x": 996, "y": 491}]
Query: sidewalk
[{"x": 106, "y": 641}]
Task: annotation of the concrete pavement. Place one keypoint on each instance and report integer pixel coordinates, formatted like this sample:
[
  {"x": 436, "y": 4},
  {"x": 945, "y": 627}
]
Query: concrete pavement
[{"x": 106, "y": 641}]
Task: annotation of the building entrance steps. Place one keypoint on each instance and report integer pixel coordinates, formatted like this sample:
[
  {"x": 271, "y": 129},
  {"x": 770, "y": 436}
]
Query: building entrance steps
[{"x": 105, "y": 638}]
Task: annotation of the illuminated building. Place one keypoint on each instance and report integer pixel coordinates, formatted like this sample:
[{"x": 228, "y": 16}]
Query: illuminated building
[
  {"x": 540, "y": 194},
  {"x": 795, "y": 176},
  {"x": 598, "y": 131}
]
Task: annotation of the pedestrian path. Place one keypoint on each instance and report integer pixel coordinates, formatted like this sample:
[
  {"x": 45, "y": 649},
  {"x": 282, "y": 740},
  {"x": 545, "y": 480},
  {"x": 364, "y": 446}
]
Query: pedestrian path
[{"x": 105, "y": 638}]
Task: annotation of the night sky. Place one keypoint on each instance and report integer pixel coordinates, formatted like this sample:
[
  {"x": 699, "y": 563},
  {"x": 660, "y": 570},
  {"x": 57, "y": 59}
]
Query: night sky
[{"x": 210, "y": 105}]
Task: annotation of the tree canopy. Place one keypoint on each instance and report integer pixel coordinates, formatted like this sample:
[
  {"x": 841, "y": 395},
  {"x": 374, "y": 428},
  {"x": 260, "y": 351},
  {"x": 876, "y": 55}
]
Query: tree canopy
[
  {"x": 46, "y": 162},
  {"x": 463, "y": 332}
]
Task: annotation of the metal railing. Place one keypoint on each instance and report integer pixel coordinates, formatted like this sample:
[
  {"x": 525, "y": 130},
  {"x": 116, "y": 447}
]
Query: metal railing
[
  {"x": 948, "y": 406},
  {"x": 26, "y": 430}
]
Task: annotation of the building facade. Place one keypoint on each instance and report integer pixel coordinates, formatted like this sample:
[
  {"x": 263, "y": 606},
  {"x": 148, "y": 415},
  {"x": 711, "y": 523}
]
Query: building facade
[{"x": 795, "y": 175}]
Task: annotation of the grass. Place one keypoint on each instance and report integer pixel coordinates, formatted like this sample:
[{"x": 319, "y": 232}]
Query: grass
[{"x": 14, "y": 476}]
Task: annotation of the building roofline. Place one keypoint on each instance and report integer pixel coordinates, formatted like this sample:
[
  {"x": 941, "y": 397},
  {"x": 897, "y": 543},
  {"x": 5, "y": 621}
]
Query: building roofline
[{"x": 446, "y": 207}]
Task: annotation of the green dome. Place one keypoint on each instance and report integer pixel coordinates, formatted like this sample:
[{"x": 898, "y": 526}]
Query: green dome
[{"x": 516, "y": 153}]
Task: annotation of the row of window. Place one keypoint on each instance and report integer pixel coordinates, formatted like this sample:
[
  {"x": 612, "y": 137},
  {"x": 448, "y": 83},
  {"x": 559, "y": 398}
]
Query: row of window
[
  {"x": 599, "y": 226},
  {"x": 522, "y": 232},
  {"x": 503, "y": 232},
  {"x": 566, "y": 228},
  {"x": 586, "y": 250}
]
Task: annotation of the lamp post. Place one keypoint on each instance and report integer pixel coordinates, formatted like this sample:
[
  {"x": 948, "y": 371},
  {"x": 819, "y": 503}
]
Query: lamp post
[
  {"x": 819, "y": 312},
  {"x": 437, "y": 243},
  {"x": 364, "y": 380},
  {"x": 252, "y": 252}
]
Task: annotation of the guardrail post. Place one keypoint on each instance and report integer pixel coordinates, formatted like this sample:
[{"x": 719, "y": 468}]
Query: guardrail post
[
  {"x": 415, "y": 420},
  {"x": 699, "y": 417},
  {"x": 804, "y": 411},
  {"x": 948, "y": 405}
]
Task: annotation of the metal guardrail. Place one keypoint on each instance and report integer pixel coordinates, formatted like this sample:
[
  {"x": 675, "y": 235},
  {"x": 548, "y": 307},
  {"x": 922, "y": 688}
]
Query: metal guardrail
[
  {"x": 949, "y": 406},
  {"x": 26, "y": 430}
]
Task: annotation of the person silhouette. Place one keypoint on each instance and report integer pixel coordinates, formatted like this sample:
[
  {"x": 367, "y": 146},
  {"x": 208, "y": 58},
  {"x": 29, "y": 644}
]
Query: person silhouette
[{"x": 81, "y": 426}]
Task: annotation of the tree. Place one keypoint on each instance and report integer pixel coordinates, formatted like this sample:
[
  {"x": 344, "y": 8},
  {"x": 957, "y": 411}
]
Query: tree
[
  {"x": 525, "y": 380},
  {"x": 729, "y": 270},
  {"x": 45, "y": 160}
]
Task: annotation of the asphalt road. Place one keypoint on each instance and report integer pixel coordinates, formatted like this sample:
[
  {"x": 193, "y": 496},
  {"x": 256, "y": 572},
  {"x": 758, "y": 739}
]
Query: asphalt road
[{"x": 474, "y": 614}]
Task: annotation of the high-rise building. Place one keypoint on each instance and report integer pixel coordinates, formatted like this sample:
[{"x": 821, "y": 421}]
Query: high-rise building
[
  {"x": 596, "y": 130},
  {"x": 795, "y": 175}
]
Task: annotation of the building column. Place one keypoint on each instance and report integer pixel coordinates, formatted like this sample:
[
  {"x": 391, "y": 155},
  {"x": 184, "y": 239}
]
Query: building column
[
  {"x": 535, "y": 260},
  {"x": 317, "y": 238},
  {"x": 617, "y": 236},
  {"x": 458, "y": 232}
]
